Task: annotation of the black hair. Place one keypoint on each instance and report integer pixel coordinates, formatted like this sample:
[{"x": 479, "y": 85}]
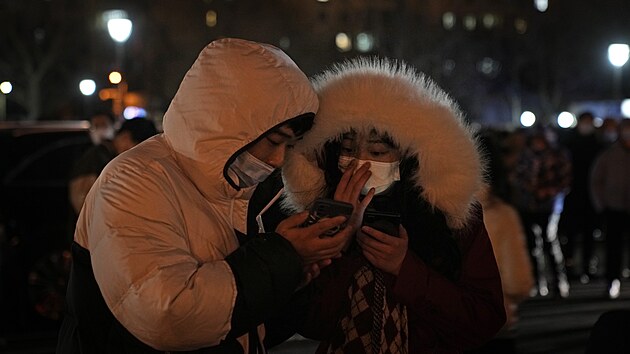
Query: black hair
[
  {"x": 139, "y": 128},
  {"x": 301, "y": 124}
]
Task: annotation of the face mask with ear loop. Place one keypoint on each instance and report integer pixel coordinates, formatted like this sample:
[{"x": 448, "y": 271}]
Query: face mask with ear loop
[
  {"x": 384, "y": 174},
  {"x": 250, "y": 170}
]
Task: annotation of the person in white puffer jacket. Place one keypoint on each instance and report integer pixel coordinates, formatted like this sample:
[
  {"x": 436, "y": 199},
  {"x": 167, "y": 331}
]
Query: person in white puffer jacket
[{"x": 161, "y": 260}]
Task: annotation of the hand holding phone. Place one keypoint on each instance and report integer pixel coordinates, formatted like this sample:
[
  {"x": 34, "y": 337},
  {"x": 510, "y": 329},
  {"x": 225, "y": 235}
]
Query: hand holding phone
[
  {"x": 382, "y": 221},
  {"x": 328, "y": 208}
]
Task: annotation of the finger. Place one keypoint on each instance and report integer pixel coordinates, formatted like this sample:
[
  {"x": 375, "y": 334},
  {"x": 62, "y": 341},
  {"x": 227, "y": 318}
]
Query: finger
[
  {"x": 345, "y": 179},
  {"x": 293, "y": 221},
  {"x": 403, "y": 232},
  {"x": 367, "y": 200},
  {"x": 377, "y": 235},
  {"x": 324, "y": 263},
  {"x": 326, "y": 224},
  {"x": 358, "y": 182}
]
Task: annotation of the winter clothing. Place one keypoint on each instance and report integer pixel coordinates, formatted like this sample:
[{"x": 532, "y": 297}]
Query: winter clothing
[
  {"x": 157, "y": 238},
  {"x": 508, "y": 242},
  {"x": 448, "y": 282},
  {"x": 609, "y": 180},
  {"x": 611, "y": 195}
]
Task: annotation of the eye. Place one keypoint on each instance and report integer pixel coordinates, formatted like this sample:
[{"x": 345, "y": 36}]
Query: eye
[
  {"x": 346, "y": 150},
  {"x": 273, "y": 141}
]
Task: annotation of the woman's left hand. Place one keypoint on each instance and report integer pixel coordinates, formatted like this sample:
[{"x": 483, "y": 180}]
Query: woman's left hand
[{"x": 384, "y": 251}]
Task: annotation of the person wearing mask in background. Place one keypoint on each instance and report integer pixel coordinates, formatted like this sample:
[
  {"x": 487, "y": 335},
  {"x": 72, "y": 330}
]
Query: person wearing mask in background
[
  {"x": 131, "y": 133},
  {"x": 102, "y": 127},
  {"x": 161, "y": 260},
  {"x": 427, "y": 282},
  {"x": 610, "y": 187},
  {"x": 579, "y": 220},
  {"x": 607, "y": 133}
]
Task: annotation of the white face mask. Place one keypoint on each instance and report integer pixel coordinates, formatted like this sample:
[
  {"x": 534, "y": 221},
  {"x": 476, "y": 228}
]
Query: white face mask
[
  {"x": 98, "y": 135},
  {"x": 384, "y": 174},
  {"x": 250, "y": 170}
]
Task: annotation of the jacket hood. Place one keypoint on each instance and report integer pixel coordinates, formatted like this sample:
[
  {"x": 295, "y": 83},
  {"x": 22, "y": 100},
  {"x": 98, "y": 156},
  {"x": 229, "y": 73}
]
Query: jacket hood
[
  {"x": 420, "y": 118},
  {"x": 234, "y": 92}
]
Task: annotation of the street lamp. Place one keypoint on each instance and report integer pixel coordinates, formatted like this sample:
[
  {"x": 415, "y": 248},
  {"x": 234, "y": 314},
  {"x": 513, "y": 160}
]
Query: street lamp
[
  {"x": 5, "y": 88},
  {"x": 119, "y": 28},
  {"x": 618, "y": 54}
]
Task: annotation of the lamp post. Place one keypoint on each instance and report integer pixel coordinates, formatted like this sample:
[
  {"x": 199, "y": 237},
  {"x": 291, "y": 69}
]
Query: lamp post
[
  {"x": 618, "y": 54},
  {"x": 5, "y": 89},
  {"x": 119, "y": 28}
]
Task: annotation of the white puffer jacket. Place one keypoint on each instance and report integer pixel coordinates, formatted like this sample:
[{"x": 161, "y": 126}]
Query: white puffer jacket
[{"x": 160, "y": 220}]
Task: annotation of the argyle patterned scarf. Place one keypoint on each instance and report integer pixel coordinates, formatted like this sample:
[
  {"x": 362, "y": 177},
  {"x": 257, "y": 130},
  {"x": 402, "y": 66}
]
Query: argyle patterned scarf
[{"x": 374, "y": 324}]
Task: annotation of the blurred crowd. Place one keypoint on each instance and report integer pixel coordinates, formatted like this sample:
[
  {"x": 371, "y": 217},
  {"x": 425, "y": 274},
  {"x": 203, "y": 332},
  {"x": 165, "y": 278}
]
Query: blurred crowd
[{"x": 570, "y": 190}]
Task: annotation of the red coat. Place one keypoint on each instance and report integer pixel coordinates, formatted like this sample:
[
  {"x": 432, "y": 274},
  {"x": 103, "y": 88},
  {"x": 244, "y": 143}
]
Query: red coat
[{"x": 443, "y": 316}]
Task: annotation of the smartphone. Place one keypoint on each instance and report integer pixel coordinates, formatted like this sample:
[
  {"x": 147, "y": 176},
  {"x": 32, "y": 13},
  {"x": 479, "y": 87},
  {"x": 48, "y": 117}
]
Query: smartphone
[
  {"x": 328, "y": 208},
  {"x": 382, "y": 221}
]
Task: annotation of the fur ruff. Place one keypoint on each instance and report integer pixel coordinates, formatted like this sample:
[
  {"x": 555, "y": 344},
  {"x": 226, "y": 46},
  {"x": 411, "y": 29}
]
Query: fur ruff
[{"x": 421, "y": 118}]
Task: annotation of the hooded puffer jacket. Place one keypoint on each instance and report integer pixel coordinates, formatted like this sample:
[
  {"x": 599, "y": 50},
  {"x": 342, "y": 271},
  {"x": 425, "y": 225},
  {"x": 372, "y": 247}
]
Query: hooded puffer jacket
[
  {"x": 160, "y": 221},
  {"x": 445, "y": 315}
]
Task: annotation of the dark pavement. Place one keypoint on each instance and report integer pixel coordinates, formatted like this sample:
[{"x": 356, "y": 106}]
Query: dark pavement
[{"x": 547, "y": 324}]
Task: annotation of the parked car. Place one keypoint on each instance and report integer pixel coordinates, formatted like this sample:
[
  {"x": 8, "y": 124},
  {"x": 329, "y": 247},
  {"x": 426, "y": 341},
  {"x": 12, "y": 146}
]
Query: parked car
[{"x": 36, "y": 222}]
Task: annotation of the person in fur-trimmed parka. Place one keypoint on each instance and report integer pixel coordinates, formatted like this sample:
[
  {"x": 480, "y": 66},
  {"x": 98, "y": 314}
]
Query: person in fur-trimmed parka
[{"x": 434, "y": 288}]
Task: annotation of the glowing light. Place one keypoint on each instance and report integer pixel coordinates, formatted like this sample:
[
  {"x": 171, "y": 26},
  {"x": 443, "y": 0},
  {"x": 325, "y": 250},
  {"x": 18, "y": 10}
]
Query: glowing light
[
  {"x": 365, "y": 42},
  {"x": 343, "y": 42},
  {"x": 625, "y": 108},
  {"x": 528, "y": 119},
  {"x": 541, "y": 5},
  {"x": 6, "y": 87},
  {"x": 131, "y": 112},
  {"x": 115, "y": 77},
  {"x": 211, "y": 18},
  {"x": 566, "y": 120},
  {"x": 618, "y": 54},
  {"x": 520, "y": 25},
  {"x": 470, "y": 22},
  {"x": 448, "y": 20},
  {"x": 119, "y": 29},
  {"x": 87, "y": 87}
]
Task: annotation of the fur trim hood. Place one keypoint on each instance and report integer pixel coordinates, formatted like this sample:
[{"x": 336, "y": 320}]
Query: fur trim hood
[{"x": 422, "y": 120}]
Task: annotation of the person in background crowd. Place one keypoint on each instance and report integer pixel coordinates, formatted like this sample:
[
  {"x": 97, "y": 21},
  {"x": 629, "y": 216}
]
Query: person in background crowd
[
  {"x": 541, "y": 175},
  {"x": 131, "y": 133},
  {"x": 579, "y": 220},
  {"x": 610, "y": 187},
  {"x": 509, "y": 245},
  {"x": 102, "y": 127},
  {"x": 427, "y": 282},
  {"x": 161, "y": 257},
  {"x": 607, "y": 133}
]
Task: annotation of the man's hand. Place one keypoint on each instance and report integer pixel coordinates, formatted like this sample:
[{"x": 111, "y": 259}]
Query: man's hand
[
  {"x": 384, "y": 251},
  {"x": 310, "y": 242},
  {"x": 311, "y": 271}
]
